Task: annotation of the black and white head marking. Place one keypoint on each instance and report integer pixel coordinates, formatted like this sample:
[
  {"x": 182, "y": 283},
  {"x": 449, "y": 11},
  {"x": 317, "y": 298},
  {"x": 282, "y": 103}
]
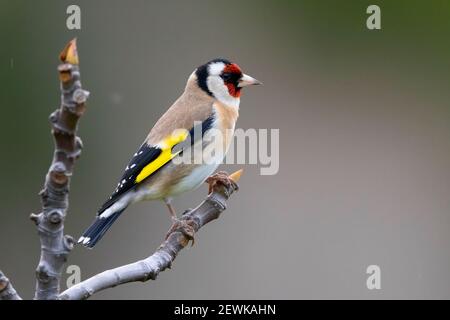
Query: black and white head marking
[{"x": 214, "y": 79}]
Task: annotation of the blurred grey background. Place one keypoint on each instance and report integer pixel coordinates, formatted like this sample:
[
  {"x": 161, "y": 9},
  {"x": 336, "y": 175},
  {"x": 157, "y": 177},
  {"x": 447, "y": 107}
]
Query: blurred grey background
[{"x": 364, "y": 143}]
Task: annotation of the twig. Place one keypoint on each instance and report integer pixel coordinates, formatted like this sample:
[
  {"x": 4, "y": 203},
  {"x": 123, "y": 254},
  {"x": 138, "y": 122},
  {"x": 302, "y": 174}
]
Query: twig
[
  {"x": 55, "y": 246},
  {"x": 149, "y": 268},
  {"x": 7, "y": 291}
]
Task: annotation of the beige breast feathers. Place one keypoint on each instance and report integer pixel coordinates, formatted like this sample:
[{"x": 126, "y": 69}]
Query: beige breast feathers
[{"x": 226, "y": 117}]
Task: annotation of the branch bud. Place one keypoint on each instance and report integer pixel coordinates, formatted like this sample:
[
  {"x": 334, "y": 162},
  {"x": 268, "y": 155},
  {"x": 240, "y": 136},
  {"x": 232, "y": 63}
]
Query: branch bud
[
  {"x": 68, "y": 242},
  {"x": 70, "y": 53},
  {"x": 35, "y": 218},
  {"x": 55, "y": 216},
  {"x": 80, "y": 96}
]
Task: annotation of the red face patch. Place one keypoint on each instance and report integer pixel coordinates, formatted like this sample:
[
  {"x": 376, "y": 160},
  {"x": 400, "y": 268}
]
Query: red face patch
[
  {"x": 233, "y": 90},
  {"x": 232, "y": 68},
  {"x": 231, "y": 75}
]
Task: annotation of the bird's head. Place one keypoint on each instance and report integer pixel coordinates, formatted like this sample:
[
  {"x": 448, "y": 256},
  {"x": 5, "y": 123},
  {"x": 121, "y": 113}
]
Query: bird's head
[{"x": 223, "y": 80}]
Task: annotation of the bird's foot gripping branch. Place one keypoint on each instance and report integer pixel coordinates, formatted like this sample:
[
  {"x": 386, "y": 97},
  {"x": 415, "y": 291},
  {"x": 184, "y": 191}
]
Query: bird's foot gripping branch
[
  {"x": 149, "y": 268},
  {"x": 218, "y": 183}
]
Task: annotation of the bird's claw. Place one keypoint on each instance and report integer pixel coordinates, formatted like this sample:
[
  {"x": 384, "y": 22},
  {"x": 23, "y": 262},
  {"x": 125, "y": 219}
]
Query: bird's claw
[
  {"x": 186, "y": 226},
  {"x": 220, "y": 177}
]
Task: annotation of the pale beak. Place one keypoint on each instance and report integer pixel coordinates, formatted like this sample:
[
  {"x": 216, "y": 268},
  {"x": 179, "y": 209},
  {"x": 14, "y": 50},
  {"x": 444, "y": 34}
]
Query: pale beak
[{"x": 246, "y": 80}]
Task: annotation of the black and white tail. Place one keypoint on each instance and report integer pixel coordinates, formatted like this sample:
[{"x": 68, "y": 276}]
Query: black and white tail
[{"x": 97, "y": 229}]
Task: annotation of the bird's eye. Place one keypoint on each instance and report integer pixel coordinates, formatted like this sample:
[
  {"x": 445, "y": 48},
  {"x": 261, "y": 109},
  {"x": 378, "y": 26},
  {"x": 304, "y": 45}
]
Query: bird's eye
[{"x": 226, "y": 76}]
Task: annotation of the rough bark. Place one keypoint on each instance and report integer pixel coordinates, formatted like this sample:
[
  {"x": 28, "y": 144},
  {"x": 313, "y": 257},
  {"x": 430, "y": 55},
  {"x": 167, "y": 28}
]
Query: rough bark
[
  {"x": 7, "y": 291},
  {"x": 149, "y": 268},
  {"x": 55, "y": 246}
]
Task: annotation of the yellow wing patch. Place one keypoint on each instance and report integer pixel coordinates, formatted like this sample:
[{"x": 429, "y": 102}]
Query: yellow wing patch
[{"x": 166, "y": 155}]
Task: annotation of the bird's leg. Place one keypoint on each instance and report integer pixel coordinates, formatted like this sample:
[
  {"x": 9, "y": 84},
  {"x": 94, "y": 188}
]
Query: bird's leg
[
  {"x": 220, "y": 177},
  {"x": 185, "y": 225},
  {"x": 172, "y": 211}
]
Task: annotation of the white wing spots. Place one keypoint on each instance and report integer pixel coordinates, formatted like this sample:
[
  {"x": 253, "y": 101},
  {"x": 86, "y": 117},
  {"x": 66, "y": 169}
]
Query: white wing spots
[
  {"x": 120, "y": 186},
  {"x": 84, "y": 240},
  {"x": 134, "y": 165}
]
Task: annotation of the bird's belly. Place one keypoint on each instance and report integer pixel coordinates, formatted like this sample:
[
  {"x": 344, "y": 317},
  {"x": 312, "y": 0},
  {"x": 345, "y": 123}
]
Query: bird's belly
[
  {"x": 194, "y": 179},
  {"x": 174, "y": 181}
]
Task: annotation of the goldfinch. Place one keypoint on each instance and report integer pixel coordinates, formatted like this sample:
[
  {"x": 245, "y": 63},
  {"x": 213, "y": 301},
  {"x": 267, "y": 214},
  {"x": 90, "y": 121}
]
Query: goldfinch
[{"x": 209, "y": 107}]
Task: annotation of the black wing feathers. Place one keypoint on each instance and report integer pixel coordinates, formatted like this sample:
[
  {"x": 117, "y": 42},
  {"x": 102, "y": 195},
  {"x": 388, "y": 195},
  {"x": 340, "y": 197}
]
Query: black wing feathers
[{"x": 141, "y": 158}]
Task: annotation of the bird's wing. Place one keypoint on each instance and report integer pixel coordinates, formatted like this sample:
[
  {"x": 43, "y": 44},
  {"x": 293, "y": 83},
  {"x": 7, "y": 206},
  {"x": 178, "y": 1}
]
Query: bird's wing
[{"x": 150, "y": 158}]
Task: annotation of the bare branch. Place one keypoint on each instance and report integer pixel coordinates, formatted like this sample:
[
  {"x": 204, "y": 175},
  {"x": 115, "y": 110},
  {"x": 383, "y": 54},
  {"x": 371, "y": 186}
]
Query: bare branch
[
  {"x": 7, "y": 292},
  {"x": 149, "y": 268},
  {"x": 55, "y": 246}
]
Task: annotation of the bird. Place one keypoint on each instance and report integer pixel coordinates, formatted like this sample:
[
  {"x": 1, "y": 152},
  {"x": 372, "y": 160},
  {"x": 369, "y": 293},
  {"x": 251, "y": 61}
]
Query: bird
[{"x": 202, "y": 118}]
